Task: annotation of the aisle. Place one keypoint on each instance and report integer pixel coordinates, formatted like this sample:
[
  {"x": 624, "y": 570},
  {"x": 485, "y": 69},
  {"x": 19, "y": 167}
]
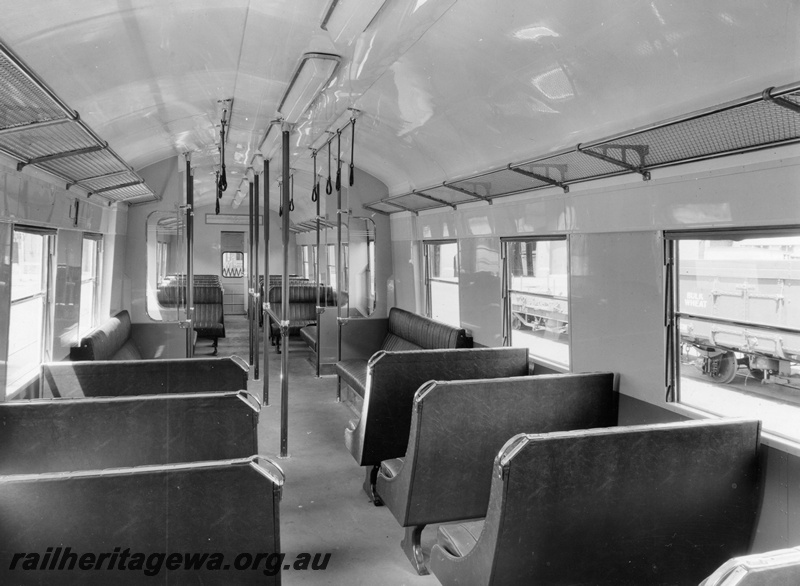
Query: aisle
[{"x": 324, "y": 509}]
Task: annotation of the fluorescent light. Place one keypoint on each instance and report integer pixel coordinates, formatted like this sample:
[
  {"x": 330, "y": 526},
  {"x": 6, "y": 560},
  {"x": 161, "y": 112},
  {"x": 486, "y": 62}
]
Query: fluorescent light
[
  {"x": 345, "y": 20},
  {"x": 313, "y": 72}
]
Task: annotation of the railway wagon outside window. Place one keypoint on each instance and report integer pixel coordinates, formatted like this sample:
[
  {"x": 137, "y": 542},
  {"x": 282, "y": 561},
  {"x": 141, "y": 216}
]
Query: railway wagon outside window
[
  {"x": 90, "y": 282},
  {"x": 536, "y": 298},
  {"x": 441, "y": 278},
  {"x": 30, "y": 302},
  {"x": 733, "y": 314}
]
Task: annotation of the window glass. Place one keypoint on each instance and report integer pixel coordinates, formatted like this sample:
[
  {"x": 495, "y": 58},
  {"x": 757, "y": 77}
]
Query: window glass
[
  {"x": 89, "y": 284},
  {"x": 332, "y": 265},
  {"x": 737, "y": 328},
  {"x": 232, "y": 265},
  {"x": 537, "y": 303},
  {"x": 442, "y": 267},
  {"x": 29, "y": 285}
]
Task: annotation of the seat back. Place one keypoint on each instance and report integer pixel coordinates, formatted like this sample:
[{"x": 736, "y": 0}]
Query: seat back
[
  {"x": 458, "y": 427},
  {"x": 659, "y": 504},
  {"x": 394, "y": 377},
  {"x": 409, "y": 331},
  {"x": 211, "y": 511},
  {"x": 105, "y": 378},
  {"x": 110, "y": 341},
  {"x": 773, "y": 568},
  {"x": 66, "y": 435}
]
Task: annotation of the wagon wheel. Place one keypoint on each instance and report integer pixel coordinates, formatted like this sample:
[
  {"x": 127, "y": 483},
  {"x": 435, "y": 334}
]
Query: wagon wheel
[
  {"x": 722, "y": 369},
  {"x": 516, "y": 323}
]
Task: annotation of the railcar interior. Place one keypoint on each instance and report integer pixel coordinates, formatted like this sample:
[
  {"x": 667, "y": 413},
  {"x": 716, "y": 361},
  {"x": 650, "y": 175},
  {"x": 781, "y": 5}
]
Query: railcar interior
[{"x": 239, "y": 197}]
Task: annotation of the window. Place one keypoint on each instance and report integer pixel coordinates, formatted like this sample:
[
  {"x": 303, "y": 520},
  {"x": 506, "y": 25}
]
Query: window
[
  {"x": 30, "y": 285},
  {"x": 332, "y": 265},
  {"x": 442, "y": 282},
  {"x": 733, "y": 325},
  {"x": 536, "y": 298},
  {"x": 308, "y": 254},
  {"x": 232, "y": 265},
  {"x": 90, "y": 280}
]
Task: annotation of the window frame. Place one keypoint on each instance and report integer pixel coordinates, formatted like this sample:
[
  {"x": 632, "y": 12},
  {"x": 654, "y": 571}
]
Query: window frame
[
  {"x": 507, "y": 298},
  {"x": 429, "y": 260},
  {"x": 46, "y": 294},
  {"x": 95, "y": 279},
  {"x": 724, "y": 404}
]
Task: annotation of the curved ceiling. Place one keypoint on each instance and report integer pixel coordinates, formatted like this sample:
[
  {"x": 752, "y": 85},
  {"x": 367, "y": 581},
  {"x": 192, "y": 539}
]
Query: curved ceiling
[{"x": 445, "y": 88}]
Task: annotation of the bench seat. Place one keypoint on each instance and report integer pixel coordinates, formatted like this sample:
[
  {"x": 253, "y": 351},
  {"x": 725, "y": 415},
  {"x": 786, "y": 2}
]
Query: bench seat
[
  {"x": 109, "y": 341},
  {"x": 113, "y": 378},
  {"x": 457, "y": 428},
  {"x": 772, "y": 568},
  {"x": 220, "y": 508},
  {"x": 309, "y": 336},
  {"x": 67, "y": 435},
  {"x": 405, "y": 331},
  {"x": 658, "y": 504}
]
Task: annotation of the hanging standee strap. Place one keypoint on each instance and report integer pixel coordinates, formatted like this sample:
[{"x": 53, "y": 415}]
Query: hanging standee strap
[
  {"x": 338, "y": 160},
  {"x": 329, "y": 185},
  {"x": 219, "y": 196},
  {"x": 291, "y": 192},
  {"x": 315, "y": 186},
  {"x": 280, "y": 207},
  {"x": 222, "y": 183},
  {"x": 352, "y": 148}
]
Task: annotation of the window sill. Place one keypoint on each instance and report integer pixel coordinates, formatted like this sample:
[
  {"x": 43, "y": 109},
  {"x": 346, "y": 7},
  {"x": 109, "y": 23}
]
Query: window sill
[{"x": 772, "y": 440}]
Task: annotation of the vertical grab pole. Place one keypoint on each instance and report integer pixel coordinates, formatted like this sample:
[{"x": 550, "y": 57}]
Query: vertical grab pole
[
  {"x": 250, "y": 270},
  {"x": 265, "y": 300},
  {"x": 339, "y": 268},
  {"x": 285, "y": 297},
  {"x": 322, "y": 292},
  {"x": 256, "y": 289},
  {"x": 189, "y": 256}
]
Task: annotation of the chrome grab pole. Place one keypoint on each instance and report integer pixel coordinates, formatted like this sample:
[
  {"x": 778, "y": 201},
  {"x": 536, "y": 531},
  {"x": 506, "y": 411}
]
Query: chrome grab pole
[
  {"x": 256, "y": 289},
  {"x": 250, "y": 311},
  {"x": 189, "y": 256},
  {"x": 265, "y": 300},
  {"x": 284, "y": 453}
]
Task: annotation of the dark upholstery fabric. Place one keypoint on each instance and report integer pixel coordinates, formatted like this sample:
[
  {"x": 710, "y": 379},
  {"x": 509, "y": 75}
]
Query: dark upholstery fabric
[
  {"x": 406, "y": 331},
  {"x": 459, "y": 539},
  {"x": 110, "y": 341},
  {"x": 458, "y": 427},
  {"x": 423, "y": 331},
  {"x": 658, "y": 504},
  {"x": 354, "y": 373},
  {"x": 396, "y": 343},
  {"x": 309, "y": 335}
]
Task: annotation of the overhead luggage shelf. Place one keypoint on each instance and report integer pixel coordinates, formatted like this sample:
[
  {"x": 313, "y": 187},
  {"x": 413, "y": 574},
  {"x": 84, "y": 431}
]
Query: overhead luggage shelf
[
  {"x": 38, "y": 129},
  {"x": 768, "y": 119}
]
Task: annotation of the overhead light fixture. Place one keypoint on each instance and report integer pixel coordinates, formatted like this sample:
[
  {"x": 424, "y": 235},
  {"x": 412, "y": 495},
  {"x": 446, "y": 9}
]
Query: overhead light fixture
[
  {"x": 313, "y": 72},
  {"x": 345, "y": 20},
  {"x": 270, "y": 143}
]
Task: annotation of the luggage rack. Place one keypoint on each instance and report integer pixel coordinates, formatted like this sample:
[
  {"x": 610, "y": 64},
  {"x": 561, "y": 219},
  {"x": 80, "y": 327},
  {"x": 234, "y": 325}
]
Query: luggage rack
[{"x": 759, "y": 121}]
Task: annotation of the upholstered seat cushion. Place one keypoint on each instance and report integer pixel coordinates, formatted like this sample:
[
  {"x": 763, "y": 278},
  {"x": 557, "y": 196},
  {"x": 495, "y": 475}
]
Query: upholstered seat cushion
[
  {"x": 110, "y": 341},
  {"x": 459, "y": 539},
  {"x": 354, "y": 373},
  {"x": 309, "y": 335}
]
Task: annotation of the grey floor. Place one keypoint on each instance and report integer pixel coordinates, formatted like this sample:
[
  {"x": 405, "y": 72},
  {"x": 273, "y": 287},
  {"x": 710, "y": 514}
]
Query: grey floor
[{"x": 324, "y": 509}]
